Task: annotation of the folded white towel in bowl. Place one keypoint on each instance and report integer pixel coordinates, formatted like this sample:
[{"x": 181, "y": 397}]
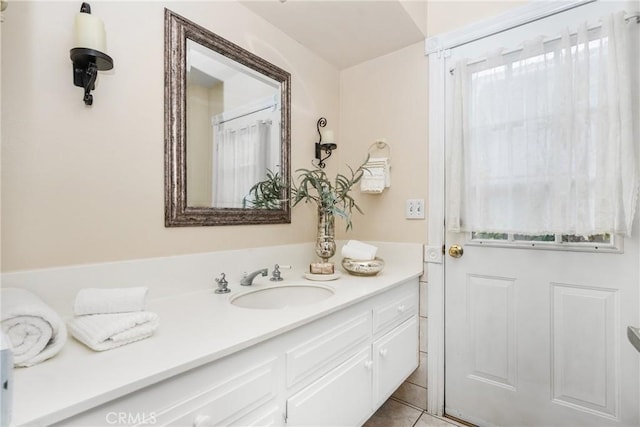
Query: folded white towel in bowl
[
  {"x": 107, "y": 301},
  {"x": 360, "y": 251},
  {"x": 36, "y": 332},
  {"x": 106, "y": 331}
]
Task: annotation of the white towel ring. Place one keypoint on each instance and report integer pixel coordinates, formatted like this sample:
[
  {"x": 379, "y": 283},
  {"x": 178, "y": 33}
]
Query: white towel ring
[{"x": 380, "y": 144}]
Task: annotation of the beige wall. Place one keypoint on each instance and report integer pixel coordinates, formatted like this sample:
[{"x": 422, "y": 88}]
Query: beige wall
[
  {"x": 448, "y": 15},
  {"x": 387, "y": 98},
  {"x": 199, "y": 154},
  {"x": 83, "y": 185}
]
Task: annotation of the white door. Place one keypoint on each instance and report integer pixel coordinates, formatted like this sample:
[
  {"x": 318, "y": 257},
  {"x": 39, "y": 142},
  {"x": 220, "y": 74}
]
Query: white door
[{"x": 538, "y": 336}]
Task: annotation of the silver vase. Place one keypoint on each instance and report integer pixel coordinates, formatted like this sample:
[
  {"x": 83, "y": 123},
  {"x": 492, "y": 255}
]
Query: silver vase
[{"x": 326, "y": 242}]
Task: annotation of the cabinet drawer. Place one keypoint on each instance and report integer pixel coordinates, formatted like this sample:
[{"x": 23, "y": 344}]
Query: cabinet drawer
[
  {"x": 270, "y": 415},
  {"x": 398, "y": 309},
  {"x": 340, "y": 398},
  {"x": 395, "y": 357},
  {"x": 219, "y": 393},
  {"x": 324, "y": 351},
  {"x": 226, "y": 401}
]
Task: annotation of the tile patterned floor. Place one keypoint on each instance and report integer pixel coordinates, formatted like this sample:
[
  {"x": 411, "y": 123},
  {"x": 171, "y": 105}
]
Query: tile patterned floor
[{"x": 394, "y": 413}]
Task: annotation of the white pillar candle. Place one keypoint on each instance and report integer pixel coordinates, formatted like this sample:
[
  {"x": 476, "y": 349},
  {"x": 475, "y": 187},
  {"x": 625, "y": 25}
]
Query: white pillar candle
[
  {"x": 89, "y": 32},
  {"x": 327, "y": 137}
]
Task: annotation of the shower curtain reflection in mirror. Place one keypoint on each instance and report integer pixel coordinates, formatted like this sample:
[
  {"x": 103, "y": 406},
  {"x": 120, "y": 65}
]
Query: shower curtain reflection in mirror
[
  {"x": 233, "y": 128},
  {"x": 243, "y": 151}
]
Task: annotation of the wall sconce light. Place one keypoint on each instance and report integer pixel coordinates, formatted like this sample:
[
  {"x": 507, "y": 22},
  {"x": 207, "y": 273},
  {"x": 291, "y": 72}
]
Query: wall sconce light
[
  {"x": 327, "y": 146},
  {"x": 88, "y": 54}
]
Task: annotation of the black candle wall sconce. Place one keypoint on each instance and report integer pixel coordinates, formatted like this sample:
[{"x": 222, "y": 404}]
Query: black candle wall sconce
[
  {"x": 327, "y": 146},
  {"x": 89, "y": 55}
]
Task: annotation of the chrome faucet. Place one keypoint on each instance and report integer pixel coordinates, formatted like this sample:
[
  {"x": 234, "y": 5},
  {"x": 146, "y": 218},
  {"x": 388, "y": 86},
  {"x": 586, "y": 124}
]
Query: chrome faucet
[{"x": 247, "y": 279}]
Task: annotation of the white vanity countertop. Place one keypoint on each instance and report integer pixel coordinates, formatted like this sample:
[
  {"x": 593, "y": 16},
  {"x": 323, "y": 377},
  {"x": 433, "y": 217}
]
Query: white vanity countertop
[{"x": 195, "y": 328}]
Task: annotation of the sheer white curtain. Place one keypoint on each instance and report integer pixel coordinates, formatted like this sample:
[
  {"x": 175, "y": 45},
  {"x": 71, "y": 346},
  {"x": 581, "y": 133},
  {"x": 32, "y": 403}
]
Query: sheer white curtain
[
  {"x": 240, "y": 160},
  {"x": 541, "y": 139}
]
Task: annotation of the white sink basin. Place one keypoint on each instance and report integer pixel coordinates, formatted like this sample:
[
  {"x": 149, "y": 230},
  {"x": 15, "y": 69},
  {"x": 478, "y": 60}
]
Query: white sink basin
[{"x": 282, "y": 296}]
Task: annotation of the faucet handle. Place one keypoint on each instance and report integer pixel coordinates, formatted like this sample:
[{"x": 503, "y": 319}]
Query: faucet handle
[
  {"x": 276, "y": 275},
  {"x": 222, "y": 285}
]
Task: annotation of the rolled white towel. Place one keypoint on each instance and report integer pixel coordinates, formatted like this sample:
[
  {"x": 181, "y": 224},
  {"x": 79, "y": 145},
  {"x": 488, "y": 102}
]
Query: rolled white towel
[
  {"x": 106, "y": 331},
  {"x": 36, "y": 332},
  {"x": 360, "y": 251},
  {"x": 108, "y": 301}
]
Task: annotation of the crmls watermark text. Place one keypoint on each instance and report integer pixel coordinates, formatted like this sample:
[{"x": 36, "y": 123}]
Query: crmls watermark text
[{"x": 128, "y": 418}]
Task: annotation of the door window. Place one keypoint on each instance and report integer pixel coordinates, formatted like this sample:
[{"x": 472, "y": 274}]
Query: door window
[
  {"x": 541, "y": 138},
  {"x": 592, "y": 242}
]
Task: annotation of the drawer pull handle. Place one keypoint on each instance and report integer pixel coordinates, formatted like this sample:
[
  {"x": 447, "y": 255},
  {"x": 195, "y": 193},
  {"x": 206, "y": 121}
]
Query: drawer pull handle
[
  {"x": 203, "y": 421},
  {"x": 383, "y": 352},
  {"x": 368, "y": 364},
  {"x": 402, "y": 308}
]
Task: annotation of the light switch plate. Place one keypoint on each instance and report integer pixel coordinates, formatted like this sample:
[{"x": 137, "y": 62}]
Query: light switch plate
[{"x": 414, "y": 209}]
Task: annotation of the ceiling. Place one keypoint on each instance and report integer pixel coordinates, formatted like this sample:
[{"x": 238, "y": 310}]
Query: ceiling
[{"x": 346, "y": 33}]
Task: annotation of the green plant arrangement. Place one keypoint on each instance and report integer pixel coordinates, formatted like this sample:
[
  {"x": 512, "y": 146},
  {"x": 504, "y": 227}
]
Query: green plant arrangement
[
  {"x": 331, "y": 196},
  {"x": 314, "y": 186}
]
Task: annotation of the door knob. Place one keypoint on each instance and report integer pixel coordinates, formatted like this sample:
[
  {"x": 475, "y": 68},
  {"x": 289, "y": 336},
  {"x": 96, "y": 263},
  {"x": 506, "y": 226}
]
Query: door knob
[{"x": 456, "y": 251}]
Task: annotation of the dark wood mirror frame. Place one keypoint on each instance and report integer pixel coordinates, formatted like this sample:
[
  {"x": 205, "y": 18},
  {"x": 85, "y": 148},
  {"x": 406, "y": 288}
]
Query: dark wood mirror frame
[{"x": 177, "y": 213}]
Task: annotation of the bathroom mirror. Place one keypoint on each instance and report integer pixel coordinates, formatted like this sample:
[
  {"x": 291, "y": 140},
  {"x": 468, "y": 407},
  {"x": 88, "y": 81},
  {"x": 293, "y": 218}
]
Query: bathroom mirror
[{"x": 227, "y": 129}]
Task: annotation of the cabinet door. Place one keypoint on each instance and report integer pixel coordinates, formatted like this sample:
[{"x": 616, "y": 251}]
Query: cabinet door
[
  {"x": 395, "y": 357},
  {"x": 340, "y": 398}
]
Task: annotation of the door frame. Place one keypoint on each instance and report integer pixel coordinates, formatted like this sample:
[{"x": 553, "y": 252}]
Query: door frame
[{"x": 438, "y": 49}]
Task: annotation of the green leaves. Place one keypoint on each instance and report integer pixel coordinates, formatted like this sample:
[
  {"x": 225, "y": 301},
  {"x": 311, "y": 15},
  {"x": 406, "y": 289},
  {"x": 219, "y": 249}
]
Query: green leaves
[
  {"x": 333, "y": 197},
  {"x": 314, "y": 185},
  {"x": 267, "y": 194}
]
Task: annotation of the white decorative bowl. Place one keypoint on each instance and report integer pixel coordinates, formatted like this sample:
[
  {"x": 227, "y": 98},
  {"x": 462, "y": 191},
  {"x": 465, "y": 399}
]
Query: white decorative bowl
[{"x": 363, "y": 268}]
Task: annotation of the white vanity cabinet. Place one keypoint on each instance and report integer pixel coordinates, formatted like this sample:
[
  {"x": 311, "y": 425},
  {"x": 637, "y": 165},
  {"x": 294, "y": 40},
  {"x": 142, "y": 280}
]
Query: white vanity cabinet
[
  {"x": 350, "y": 393},
  {"x": 395, "y": 350},
  {"x": 335, "y": 370}
]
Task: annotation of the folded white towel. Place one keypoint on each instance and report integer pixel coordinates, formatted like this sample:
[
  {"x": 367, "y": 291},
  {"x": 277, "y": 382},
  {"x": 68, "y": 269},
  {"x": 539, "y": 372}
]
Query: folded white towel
[
  {"x": 106, "y": 331},
  {"x": 107, "y": 301},
  {"x": 372, "y": 181},
  {"x": 377, "y": 175},
  {"x": 36, "y": 332},
  {"x": 360, "y": 251}
]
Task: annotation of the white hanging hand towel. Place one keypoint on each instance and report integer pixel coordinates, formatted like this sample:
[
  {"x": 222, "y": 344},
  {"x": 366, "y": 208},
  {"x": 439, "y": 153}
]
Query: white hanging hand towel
[
  {"x": 106, "y": 331},
  {"x": 107, "y": 301},
  {"x": 36, "y": 332},
  {"x": 376, "y": 176},
  {"x": 360, "y": 251}
]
